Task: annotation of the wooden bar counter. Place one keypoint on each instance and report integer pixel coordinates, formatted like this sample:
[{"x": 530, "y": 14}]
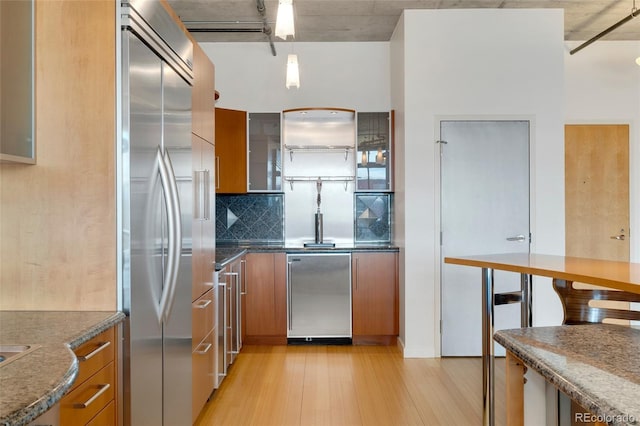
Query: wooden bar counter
[{"x": 616, "y": 275}]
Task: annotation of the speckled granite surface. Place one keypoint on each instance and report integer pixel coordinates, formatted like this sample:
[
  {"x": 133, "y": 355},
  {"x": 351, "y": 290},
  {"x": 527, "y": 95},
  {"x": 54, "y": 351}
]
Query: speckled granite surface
[
  {"x": 32, "y": 383},
  {"x": 597, "y": 365},
  {"x": 226, "y": 253}
]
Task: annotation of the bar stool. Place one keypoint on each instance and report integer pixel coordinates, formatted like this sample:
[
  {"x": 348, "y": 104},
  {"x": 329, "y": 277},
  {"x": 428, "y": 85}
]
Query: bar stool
[{"x": 579, "y": 307}]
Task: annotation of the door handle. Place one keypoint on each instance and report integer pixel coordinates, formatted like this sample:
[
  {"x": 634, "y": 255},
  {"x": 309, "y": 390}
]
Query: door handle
[
  {"x": 619, "y": 237},
  {"x": 517, "y": 238}
]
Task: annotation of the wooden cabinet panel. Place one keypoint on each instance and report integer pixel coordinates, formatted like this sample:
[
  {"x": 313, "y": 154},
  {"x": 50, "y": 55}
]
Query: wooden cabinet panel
[
  {"x": 203, "y": 95},
  {"x": 89, "y": 398},
  {"x": 202, "y": 318},
  {"x": 375, "y": 295},
  {"x": 96, "y": 385},
  {"x": 203, "y": 373},
  {"x": 94, "y": 354},
  {"x": 106, "y": 417},
  {"x": 231, "y": 151},
  {"x": 266, "y": 298},
  {"x": 203, "y": 222}
]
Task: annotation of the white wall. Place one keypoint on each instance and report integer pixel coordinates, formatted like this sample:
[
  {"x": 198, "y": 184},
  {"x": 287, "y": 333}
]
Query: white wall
[
  {"x": 602, "y": 86},
  {"x": 474, "y": 63},
  {"x": 345, "y": 75}
]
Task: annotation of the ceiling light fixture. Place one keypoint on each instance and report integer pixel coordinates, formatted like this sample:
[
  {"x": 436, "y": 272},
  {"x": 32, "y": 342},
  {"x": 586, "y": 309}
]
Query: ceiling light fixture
[
  {"x": 284, "y": 20},
  {"x": 293, "y": 73}
]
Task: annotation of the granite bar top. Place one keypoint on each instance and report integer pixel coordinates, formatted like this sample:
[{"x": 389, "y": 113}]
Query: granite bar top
[
  {"x": 596, "y": 365},
  {"x": 227, "y": 252},
  {"x": 33, "y": 382}
]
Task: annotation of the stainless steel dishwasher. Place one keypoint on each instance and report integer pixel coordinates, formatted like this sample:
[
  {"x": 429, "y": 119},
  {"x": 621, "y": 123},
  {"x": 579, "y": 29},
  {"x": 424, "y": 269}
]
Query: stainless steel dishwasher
[{"x": 319, "y": 298}]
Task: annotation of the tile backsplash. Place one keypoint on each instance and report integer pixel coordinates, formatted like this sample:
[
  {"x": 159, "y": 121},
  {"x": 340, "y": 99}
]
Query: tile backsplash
[
  {"x": 259, "y": 218},
  {"x": 372, "y": 217},
  {"x": 252, "y": 218}
]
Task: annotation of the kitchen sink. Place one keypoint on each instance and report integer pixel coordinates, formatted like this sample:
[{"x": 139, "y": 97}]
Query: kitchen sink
[{"x": 11, "y": 352}]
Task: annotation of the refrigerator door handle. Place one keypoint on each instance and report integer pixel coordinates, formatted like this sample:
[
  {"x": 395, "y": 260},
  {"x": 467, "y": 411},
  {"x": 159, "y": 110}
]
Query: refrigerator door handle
[
  {"x": 175, "y": 228},
  {"x": 173, "y": 224}
]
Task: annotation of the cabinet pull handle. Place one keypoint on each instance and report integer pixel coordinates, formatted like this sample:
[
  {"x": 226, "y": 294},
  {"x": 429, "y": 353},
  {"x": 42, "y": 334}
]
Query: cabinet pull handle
[
  {"x": 217, "y": 172},
  {"x": 243, "y": 269},
  {"x": 205, "y": 350},
  {"x": 356, "y": 274},
  {"x": 203, "y": 304},
  {"x": 91, "y": 354},
  {"x": 101, "y": 389}
]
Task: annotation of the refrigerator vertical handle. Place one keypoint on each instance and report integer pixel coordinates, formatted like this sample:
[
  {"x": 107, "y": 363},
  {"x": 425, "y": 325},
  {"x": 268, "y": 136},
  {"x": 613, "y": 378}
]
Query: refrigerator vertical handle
[
  {"x": 174, "y": 224},
  {"x": 161, "y": 169},
  {"x": 207, "y": 195},
  {"x": 289, "y": 264}
]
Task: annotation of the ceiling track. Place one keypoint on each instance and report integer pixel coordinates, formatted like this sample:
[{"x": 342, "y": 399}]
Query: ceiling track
[
  {"x": 621, "y": 22},
  {"x": 265, "y": 25}
]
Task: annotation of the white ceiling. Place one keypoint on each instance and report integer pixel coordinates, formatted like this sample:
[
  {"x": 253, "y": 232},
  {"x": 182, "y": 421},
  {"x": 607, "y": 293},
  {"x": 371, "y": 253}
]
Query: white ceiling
[{"x": 375, "y": 20}]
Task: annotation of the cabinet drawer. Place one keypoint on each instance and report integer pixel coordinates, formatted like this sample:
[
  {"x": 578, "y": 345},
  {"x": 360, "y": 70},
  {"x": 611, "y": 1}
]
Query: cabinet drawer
[
  {"x": 202, "y": 318},
  {"x": 94, "y": 354},
  {"x": 106, "y": 417},
  {"x": 203, "y": 373},
  {"x": 89, "y": 398}
]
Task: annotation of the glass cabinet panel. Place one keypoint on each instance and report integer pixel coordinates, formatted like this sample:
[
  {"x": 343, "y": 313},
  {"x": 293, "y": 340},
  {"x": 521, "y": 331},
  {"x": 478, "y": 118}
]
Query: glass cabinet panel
[
  {"x": 373, "y": 152},
  {"x": 16, "y": 81},
  {"x": 265, "y": 164}
]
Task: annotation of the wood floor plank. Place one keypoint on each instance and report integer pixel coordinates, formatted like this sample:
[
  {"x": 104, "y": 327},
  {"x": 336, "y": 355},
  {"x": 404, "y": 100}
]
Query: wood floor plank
[{"x": 349, "y": 386}]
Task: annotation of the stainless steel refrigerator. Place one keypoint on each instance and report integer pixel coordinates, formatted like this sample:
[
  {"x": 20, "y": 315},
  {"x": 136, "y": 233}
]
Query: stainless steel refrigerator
[{"x": 156, "y": 202}]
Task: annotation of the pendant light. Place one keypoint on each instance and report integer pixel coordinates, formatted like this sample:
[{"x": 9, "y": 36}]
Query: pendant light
[
  {"x": 284, "y": 19},
  {"x": 365, "y": 160},
  {"x": 380, "y": 157},
  {"x": 293, "y": 73}
]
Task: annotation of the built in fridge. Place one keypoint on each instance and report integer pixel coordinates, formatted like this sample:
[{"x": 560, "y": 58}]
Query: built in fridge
[
  {"x": 319, "y": 297},
  {"x": 155, "y": 193}
]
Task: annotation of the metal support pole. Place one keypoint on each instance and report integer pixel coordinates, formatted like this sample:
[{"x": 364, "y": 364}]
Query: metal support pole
[
  {"x": 526, "y": 315},
  {"x": 621, "y": 22},
  {"x": 488, "y": 406}
]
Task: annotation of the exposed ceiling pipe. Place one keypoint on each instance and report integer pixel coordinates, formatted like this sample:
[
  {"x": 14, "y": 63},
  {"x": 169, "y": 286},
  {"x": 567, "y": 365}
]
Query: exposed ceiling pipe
[
  {"x": 266, "y": 27},
  {"x": 634, "y": 13}
]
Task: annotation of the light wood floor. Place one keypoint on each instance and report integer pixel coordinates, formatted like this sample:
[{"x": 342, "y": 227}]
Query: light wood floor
[{"x": 349, "y": 385}]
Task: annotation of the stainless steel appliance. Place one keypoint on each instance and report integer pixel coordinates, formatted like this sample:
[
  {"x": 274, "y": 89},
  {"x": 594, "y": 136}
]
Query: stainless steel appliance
[
  {"x": 319, "y": 297},
  {"x": 156, "y": 203}
]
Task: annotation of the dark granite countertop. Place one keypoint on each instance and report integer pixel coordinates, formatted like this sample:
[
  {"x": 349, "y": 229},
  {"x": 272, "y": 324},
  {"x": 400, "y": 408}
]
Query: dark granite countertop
[
  {"x": 33, "y": 382},
  {"x": 227, "y": 252},
  {"x": 596, "y": 365}
]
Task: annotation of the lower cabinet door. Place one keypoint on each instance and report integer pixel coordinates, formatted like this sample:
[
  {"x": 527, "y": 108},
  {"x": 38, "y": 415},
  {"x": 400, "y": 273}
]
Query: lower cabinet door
[
  {"x": 203, "y": 373},
  {"x": 84, "y": 402}
]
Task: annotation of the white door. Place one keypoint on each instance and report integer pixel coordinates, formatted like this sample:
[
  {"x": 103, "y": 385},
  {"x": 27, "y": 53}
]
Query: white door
[{"x": 484, "y": 209}]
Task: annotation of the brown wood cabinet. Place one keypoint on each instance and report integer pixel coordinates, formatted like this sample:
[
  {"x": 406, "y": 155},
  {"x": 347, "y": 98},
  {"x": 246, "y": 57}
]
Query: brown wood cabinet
[
  {"x": 375, "y": 297},
  {"x": 203, "y": 368},
  {"x": 91, "y": 399},
  {"x": 231, "y": 151},
  {"x": 203, "y": 95},
  {"x": 266, "y": 299}
]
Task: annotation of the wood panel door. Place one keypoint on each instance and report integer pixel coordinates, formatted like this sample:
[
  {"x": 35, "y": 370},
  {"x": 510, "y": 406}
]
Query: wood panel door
[
  {"x": 597, "y": 192},
  {"x": 231, "y": 151},
  {"x": 266, "y": 298},
  {"x": 374, "y": 294}
]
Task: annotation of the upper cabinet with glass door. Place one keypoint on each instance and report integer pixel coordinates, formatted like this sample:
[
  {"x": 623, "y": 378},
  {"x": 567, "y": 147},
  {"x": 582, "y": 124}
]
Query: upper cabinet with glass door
[
  {"x": 265, "y": 154},
  {"x": 16, "y": 82},
  {"x": 374, "y": 152}
]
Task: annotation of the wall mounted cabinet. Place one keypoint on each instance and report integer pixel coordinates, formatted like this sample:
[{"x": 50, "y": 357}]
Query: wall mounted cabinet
[
  {"x": 374, "y": 151},
  {"x": 231, "y": 151},
  {"x": 265, "y": 152},
  {"x": 17, "y": 140}
]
